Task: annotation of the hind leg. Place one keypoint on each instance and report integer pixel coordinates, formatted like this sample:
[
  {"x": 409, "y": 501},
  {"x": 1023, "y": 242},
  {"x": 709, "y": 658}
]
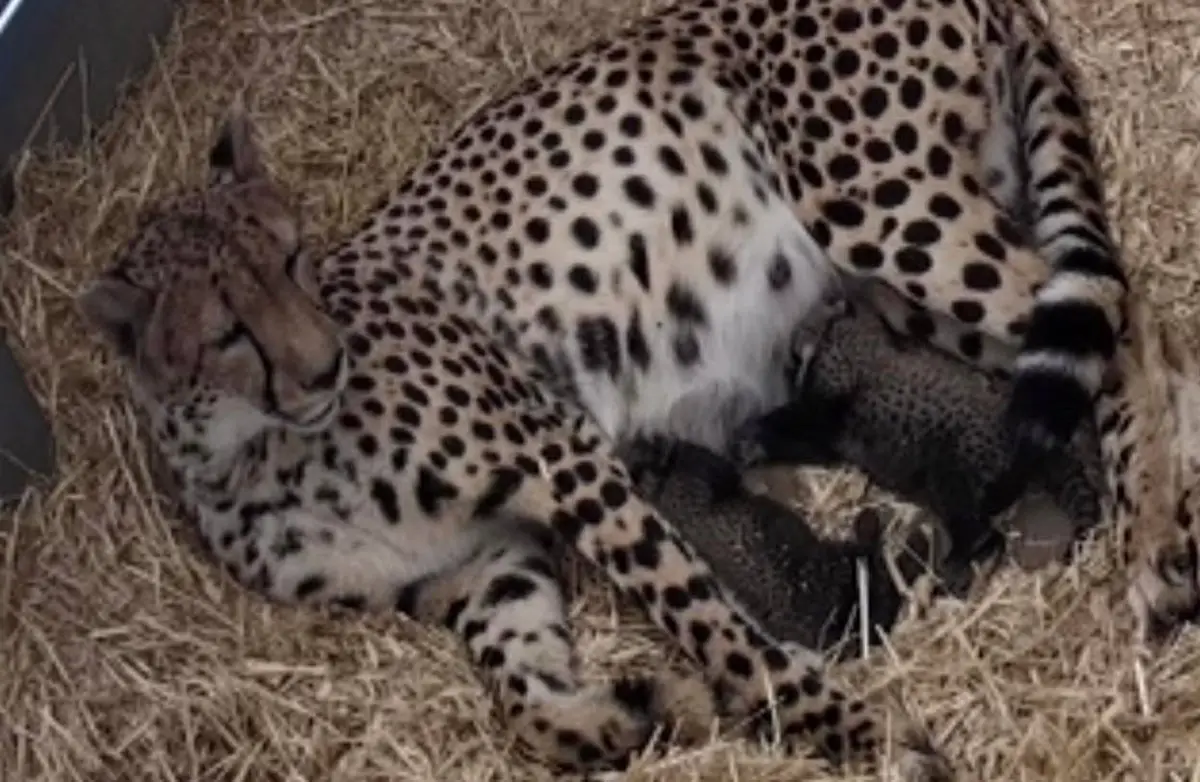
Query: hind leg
[{"x": 507, "y": 605}]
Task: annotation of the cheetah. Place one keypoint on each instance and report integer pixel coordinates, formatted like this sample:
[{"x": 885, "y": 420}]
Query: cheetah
[
  {"x": 634, "y": 230},
  {"x": 392, "y": 453},
  {"x": 801, "y": 585},
  {"x": 918, "y": 423}
]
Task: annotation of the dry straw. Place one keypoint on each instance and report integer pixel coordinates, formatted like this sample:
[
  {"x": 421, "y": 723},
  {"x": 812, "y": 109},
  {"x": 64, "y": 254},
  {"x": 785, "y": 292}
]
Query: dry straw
[{"x": 125, "y": 656}]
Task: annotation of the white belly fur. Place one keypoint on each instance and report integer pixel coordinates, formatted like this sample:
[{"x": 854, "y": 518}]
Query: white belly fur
[{"x": 743, "y": 350}]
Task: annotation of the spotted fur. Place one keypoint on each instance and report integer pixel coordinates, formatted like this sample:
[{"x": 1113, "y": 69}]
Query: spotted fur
[
  {"x": 626, "y": 238},
  {"x": 1151, "y": 417}
]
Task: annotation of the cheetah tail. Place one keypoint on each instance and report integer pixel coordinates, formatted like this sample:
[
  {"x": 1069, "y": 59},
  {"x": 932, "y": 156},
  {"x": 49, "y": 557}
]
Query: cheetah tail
[
  {"x": 1071, "y": 337},
  {"x": 1063, "y": 363}
]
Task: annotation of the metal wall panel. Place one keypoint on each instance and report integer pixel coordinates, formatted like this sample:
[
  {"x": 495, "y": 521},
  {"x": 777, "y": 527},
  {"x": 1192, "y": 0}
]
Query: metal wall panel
[{"x": 62, "y": 66}]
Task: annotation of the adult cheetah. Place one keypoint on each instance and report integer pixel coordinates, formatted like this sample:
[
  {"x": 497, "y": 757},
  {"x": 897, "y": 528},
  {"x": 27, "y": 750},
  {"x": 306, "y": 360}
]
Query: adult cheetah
[
  {"x": 393, "y": 453},
  {"x": 636, "y": 229}
]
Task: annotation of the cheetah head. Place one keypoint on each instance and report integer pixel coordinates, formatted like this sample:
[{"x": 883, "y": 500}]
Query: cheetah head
[
  {"x": 1160, "y": 448},
  {"x": 212, "y": 309}
]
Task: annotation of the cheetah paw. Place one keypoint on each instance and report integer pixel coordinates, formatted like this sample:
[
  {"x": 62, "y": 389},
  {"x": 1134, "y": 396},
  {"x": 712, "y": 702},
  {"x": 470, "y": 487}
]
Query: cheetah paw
[{"x": 917, "y": 760}]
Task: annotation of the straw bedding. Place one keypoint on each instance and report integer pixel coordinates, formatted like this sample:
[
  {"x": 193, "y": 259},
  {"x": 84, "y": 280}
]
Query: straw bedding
[{"x": 125, "y": 656}]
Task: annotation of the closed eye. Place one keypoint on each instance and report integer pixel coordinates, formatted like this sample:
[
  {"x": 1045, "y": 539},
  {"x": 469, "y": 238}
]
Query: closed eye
[
  {"x": 1178, "y": 567},
  {"x": 232, "y": 337},
  {"x": 289, "y": 265}
]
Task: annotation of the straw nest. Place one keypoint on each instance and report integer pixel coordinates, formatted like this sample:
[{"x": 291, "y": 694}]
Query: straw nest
[{"x": 125, "y": 656}]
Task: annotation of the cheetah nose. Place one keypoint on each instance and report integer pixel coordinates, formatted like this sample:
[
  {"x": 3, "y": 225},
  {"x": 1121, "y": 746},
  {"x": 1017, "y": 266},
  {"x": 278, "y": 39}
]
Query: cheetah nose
[
  {"x": 329, "y": 378},
  {"x": 1191, "y": 615}
]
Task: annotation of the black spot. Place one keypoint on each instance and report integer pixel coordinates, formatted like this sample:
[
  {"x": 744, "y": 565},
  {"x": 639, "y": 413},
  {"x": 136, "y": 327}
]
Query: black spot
[
  {"x": 385, "y": 498},
  {"x": 590, "y": 512},
  {"x": 780, "y": 272},
  {"x": 541, "y": 275},
  {"x": 593, "y": 140},
  {"x": 681, "y": 226},
  {"x": 953, "y": 126},
  {"x": 691, "y": 106},
  {"x": 739, "y": 665},
  {"x": 866, "y": 257},
  {"x": 713, "y": 159},
  {"x": 819, "y": 80},
  {"x": 917, "y": 32},
  {"x": 967, "y": 311},
  {"x": 912, "y": 260},
  {"x": 565, "y": 482},
  {"x": 684, "y": 305},
  {"x": 877, "y": 151},
  {"x": 843, "y": 212},
  {"x": 586, "y": 232},
  {"x": 847, "y": 20},
  {"x": 978, "y": 276},
  {"x": 818, "y": 128},
  {"x": 585, "y": 185},
  {"x": 843, "y": 168},
  {"x": 922, "y": 232},
  {"x": 638, "y": 190},
  {"x": 912, "y": 91},
  {"x": 944, "y": 206},
  {"x": 639, "y": 260},
  {"x": 538, "y": 230},
  {"x": 722, "y": 265},
  {"x": 873, "y": 102},
  {"x": 309, "y": 586},
  {"x": 613, "y": 494},
  {"x": 599, "y": 344},
  {"x": 508, "y": 588},
  {"x": 504, "y": 483},
  {"x": 938, "y": 161},
  {"x": 846, "y": 63},
  {"x": 951, "y": 37},
  {"x": 687, "y": 349},
  {"x": 989, "y": 246},
  {"x": 671, "y": 161},
  {"x": 491, "y": 657},
  {"x": 905, "y": 138},
  {"x": 635, "y": 341},
  {"x": 944, "y": 78},
  {"x": 583, "y": 279},
  {"x": 891, "y": 193},
  {"x": 631, "y": 125},
  {"x": 676, "y": 598},
  {"x": 886, "y": 45},
  {"x": 432, "y": 490},
  {"x": 805, "y": 27}
]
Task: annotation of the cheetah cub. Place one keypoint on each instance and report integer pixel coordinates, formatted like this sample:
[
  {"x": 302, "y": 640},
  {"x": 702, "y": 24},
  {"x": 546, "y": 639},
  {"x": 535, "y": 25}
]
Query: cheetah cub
[
  {"x": 927, "y": 427},
  {"x": 801, "y": 586}
]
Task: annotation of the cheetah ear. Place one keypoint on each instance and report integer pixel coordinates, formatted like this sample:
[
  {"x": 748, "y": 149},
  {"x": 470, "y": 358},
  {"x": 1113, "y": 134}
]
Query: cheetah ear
[
  {"x": 118, "y": 309},
  {"x": 234, "y": 155}
]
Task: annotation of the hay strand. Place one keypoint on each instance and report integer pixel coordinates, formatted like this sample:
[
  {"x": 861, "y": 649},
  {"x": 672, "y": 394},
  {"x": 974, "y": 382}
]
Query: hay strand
[{"x": 126, "y": 656}]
